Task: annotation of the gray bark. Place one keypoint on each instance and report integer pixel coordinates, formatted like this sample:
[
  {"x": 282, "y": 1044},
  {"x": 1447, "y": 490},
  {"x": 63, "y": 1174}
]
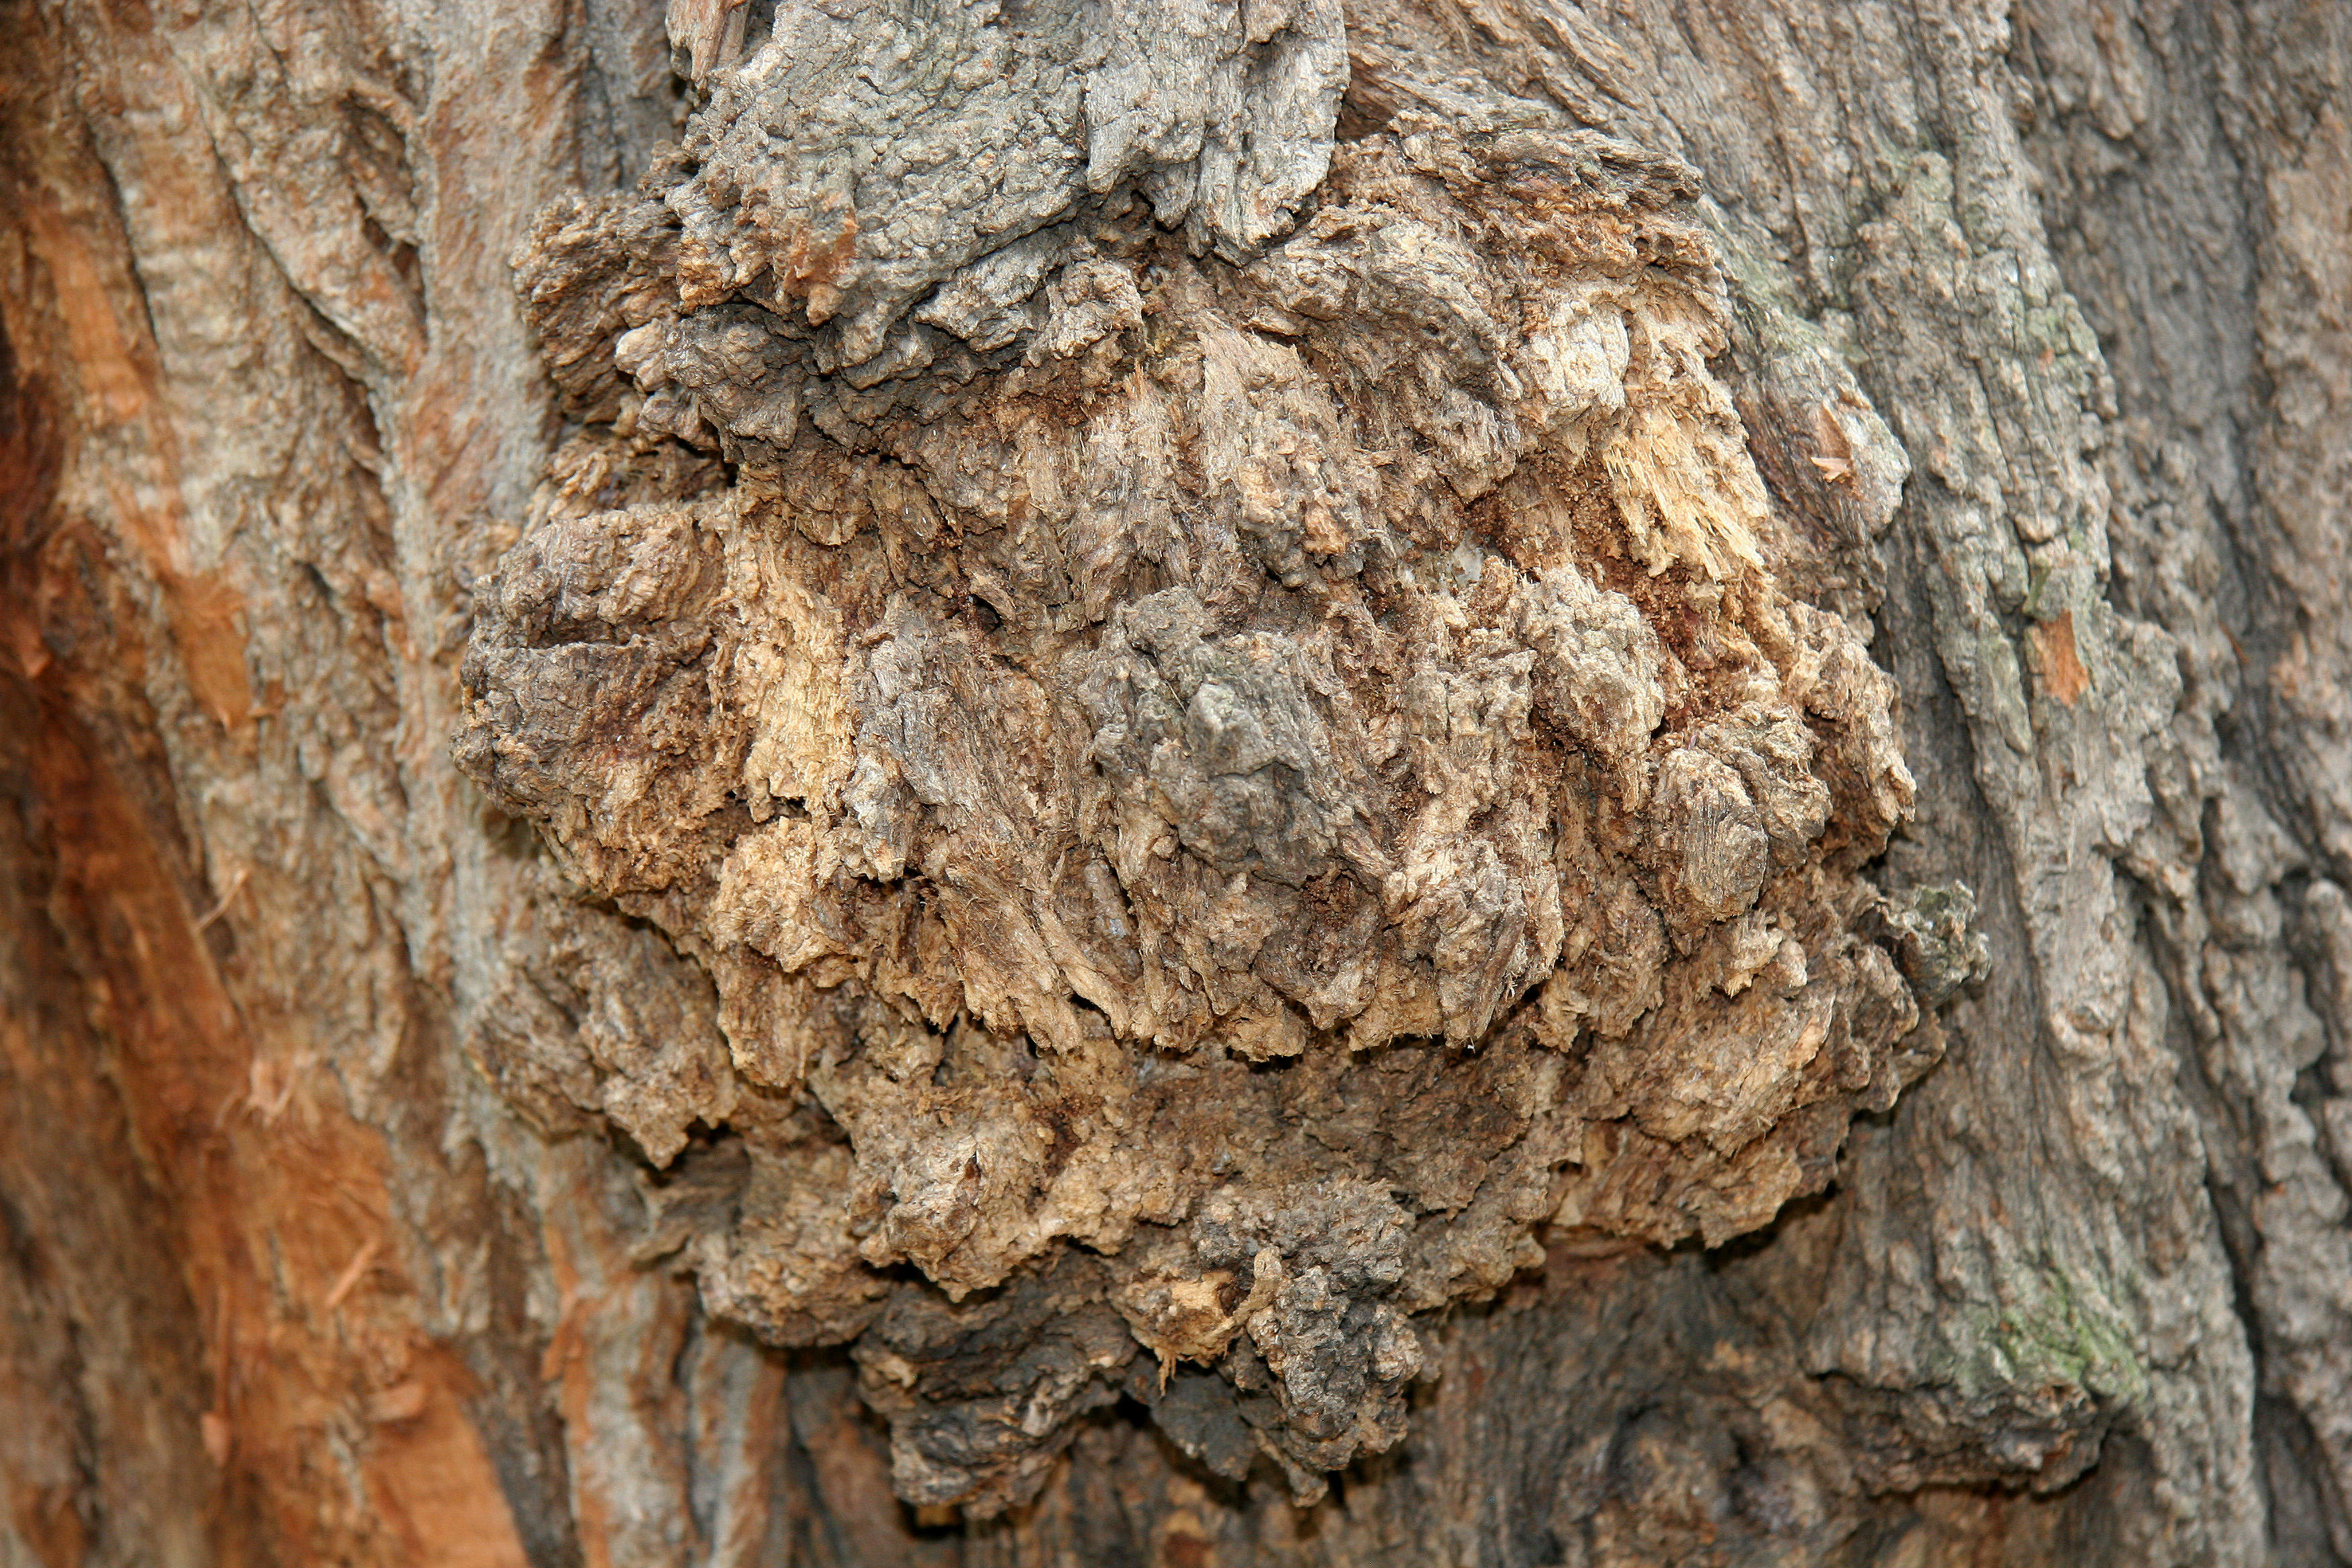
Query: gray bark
[{"x": 1184, "y": 783}]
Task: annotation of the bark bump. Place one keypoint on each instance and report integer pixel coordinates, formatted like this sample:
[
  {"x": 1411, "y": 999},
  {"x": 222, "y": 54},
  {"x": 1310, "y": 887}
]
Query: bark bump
[{"x": 1216, "y": 706}]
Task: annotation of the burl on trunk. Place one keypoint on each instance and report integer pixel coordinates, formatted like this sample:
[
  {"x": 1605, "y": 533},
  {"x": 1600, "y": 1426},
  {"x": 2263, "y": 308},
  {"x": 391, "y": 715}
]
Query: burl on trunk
[{"x": 1176, "y": 781}]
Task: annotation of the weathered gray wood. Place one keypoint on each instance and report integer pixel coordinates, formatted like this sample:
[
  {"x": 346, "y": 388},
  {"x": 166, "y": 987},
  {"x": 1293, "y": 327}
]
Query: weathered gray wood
[{"x": 1507, "y": 784}]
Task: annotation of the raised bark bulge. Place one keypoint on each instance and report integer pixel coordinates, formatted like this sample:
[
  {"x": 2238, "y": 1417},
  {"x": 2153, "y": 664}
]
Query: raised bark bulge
[{"x": 1319, "y": 610}]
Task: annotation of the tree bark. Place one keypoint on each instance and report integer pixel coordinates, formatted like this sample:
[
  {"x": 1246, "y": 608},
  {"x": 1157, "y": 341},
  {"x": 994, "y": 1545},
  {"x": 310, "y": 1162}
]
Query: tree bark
[{"x": 1181, "y": 783}]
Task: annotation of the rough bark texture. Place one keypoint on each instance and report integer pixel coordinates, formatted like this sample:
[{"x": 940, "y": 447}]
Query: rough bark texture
[{"x": 1176, "y": 783}]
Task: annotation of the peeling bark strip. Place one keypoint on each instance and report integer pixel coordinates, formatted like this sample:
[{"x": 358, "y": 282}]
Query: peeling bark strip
[
  {"x": 1195, "y": 798},
  {"x": 1070, "y": 587}
]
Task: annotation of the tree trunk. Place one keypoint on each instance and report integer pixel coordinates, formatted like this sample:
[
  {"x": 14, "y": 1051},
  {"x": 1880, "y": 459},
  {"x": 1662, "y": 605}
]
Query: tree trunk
[{"x": 1019, "y": 783}]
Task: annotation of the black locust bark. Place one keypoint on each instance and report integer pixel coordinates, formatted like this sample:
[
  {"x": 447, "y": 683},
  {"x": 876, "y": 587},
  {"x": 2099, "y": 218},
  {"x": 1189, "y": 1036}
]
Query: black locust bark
[{"x": 1188, "y": 783}]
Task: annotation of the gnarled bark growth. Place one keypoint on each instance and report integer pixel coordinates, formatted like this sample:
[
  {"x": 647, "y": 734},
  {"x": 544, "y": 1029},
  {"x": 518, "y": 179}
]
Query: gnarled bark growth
[{"x": 1186, "y": 636}]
